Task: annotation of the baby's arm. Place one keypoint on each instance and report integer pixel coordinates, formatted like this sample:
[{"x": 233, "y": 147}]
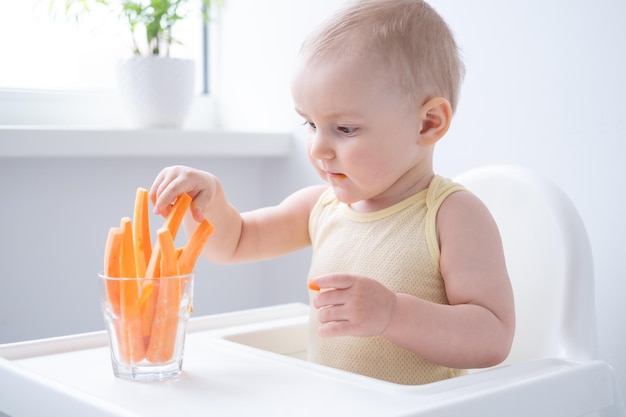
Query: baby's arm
[
  {"x": 475, "y": 330},
  {"x": 238, "y": 237}
]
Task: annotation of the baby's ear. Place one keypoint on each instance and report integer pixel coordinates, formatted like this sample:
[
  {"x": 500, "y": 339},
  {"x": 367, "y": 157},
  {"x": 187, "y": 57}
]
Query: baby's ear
[{"x": 436, "y": 115}]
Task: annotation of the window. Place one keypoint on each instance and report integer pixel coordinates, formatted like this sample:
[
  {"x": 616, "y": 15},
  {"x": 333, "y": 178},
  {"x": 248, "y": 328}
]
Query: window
[{"x": 50, "y": 61}]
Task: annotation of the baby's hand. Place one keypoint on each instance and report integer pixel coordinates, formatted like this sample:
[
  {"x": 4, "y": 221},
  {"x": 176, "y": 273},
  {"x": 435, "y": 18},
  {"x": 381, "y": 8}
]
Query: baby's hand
[
  {"x": 350, "y": 305},
  {"x": 176, "y": 180}
]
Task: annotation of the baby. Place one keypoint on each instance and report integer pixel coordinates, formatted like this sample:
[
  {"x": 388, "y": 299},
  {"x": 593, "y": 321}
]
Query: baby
[{"x": 413, "y": 282}]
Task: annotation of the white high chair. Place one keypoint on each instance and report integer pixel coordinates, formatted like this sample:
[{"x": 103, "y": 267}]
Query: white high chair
[{"x": 550, "y": 264}]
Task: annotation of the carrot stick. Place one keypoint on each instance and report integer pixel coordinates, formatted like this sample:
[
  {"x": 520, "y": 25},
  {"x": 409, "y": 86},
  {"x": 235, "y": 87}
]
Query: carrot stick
[
  {"x": 150, "y": 292},
  {"x": 127, "y": 258},
  {"x": 172, "y": 223},
  {"x": 191, "y": 251},
  {"x": 165, "y": 323},
  {"x": 112, "y": 267},
  {"x": 141, "y": 232},
  {"x": 150, "y": 286},
  {"x": 193, "y": 248},
  {"x": 153, "y": 270},
  {"x": 175, "y": 218},
  {"x": 146, "y": 291},
  {"x": 143, "y": 252},
  {"x": 129, "y": 296}
]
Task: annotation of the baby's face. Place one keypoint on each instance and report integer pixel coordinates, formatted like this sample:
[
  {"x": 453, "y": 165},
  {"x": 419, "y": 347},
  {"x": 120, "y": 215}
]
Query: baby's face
[{"x": 362, "y": 133}]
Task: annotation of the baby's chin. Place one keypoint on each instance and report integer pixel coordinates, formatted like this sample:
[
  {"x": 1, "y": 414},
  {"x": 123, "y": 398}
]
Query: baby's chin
[{"x": 342, "y": 196}]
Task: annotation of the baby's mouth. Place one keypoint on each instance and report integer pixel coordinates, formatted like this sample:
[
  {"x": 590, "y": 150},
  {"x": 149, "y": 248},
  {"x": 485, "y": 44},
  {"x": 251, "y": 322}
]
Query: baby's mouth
[{"x": 337, "y": 175}]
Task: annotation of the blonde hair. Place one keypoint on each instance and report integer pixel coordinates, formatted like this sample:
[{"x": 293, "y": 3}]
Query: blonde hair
[{"x": 409, "y": 38}]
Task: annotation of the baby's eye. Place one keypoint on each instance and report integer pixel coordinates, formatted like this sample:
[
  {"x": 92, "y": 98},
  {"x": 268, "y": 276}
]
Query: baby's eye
[
  {"x": 346, "y": 130},
  {"x": 309, "y": 124}
]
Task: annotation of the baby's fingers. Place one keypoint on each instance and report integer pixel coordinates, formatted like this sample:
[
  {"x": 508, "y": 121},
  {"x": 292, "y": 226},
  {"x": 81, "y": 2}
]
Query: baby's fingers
[
  {"x": 335, "y": 281},
  {"x": 159, "y": 185},
  {"x": 335, "y": 328},
  {"x": 199, "y": 201},
  {"x": 177, "y": 180},
  {"x": 168, "y": 185},
  {"x": 163, "y": 203},
  {"x": 153, "y": 192}
]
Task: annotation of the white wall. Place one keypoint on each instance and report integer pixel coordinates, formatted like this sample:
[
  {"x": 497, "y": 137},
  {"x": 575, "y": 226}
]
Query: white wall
[{"x": 544, "y": 89}]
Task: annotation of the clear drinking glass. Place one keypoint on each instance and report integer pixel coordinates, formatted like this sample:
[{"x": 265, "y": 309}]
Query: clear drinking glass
[{"x": 146, "y": 319}]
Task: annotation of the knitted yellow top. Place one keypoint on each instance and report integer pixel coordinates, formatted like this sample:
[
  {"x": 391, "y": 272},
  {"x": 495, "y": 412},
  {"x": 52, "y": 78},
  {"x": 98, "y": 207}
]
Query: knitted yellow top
[{"x": 396, "y": 246}]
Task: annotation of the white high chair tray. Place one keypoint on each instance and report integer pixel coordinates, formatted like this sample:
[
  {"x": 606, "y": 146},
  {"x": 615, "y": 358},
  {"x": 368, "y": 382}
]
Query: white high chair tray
[{"x": 249, "y": 362}]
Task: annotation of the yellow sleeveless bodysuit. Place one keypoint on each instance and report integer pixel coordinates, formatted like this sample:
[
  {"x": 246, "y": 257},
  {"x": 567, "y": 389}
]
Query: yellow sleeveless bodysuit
[{"x": 396, "y": 246}]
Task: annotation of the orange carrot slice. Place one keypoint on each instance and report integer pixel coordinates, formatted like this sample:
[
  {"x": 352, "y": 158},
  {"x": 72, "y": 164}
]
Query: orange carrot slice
[
  {"x": 146, "y": 291},
  {"x": 175, "y": 218},
  {"x": 129, "y": 296},
  {"x": 150, "y": 287},
  {"x": 112, "y": 267},
  {"x": 191, "y": 252},
  {"x": 143, "y": 252},
  {"x": 153, "y": 270},
  {"x": 313, "y": 286},
  {"x": 165, "y": 323},
  {"x": 150, "y": 292},
  {"x": 193, "y": 248},
  {"x": 127, "y": 258},
  {"x": 141, "y": 232},
  {"x": 172, "y": 223}
]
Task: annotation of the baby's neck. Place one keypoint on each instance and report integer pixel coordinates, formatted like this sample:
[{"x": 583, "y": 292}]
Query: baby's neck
[{"x": 398, "y": 192}]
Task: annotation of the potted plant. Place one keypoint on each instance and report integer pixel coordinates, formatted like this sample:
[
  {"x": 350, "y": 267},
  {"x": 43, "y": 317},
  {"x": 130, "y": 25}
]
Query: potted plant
[{"x": 159, "y": 89}]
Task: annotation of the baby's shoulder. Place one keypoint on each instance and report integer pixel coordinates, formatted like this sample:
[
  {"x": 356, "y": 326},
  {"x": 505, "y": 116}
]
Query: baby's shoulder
[{"x": 462, "y": 207}]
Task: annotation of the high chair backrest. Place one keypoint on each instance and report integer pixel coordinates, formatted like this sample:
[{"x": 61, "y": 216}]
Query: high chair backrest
[{"x": 549, "y": 261}]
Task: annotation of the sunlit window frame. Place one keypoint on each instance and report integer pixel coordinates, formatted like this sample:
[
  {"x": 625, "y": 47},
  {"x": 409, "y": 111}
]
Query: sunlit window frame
[{"x": 23, "y": 107}]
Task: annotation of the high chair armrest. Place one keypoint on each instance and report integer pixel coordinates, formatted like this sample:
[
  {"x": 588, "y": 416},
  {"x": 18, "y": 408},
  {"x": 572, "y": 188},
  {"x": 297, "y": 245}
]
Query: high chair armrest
[{"x": 543, "y": 387}]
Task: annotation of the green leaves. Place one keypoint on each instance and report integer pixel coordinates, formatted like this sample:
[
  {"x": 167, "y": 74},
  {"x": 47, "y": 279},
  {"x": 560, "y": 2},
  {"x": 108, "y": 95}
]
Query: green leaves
[{"x": 149, "y": 21}]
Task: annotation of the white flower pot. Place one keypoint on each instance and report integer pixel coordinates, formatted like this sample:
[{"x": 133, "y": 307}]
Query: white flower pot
[{"x": 158, "y": 91}]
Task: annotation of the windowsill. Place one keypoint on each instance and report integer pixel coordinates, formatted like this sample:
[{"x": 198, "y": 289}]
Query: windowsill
[{"x": 45, "y": 141}]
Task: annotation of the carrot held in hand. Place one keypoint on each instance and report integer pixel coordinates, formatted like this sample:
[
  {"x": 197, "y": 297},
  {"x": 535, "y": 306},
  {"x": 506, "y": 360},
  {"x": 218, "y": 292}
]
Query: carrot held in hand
[
  {"x": 153, "y": 270},
  {"x": 165, "y": 323},
  {"x": 129, "y": 296},
  {"x": 175, "y": 218},
  {"x": 193, "y": 248},
  {"x": 172, "y": 223},
  {"x": 191, "y": 252}
]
